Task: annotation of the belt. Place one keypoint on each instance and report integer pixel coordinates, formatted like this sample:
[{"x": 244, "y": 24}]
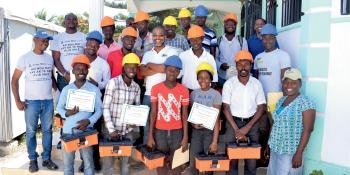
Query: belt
[{"x": 243, "y": 119}]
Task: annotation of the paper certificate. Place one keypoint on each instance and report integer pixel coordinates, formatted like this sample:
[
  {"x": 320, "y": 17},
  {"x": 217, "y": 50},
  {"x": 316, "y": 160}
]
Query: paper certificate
[
  {"x": 83, "y": 99},
  {"x": 135, "y": 114},
  {"x": 204, "y": 115}
]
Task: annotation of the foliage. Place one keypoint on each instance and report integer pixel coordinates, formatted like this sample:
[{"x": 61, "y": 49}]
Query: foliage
[
  {"x": 120, "y": 16},
  {"x": 119, "y": 5},
  {"x": 317, "y": 172}
]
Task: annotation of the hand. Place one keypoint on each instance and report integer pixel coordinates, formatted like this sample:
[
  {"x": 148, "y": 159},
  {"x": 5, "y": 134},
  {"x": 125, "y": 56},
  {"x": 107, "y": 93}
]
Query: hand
[
  {"x": 132, "y": 126},
  {"x": 21, "y": 105},
  {"x": 114, "y": 135},
  {"x": 82, "y": 124},
  {"x": 297, "y": 159},
  {"x": 244, "y": 130},
  {"x": 72, "y": 111},
  {"x": 184, "y": 144},
  {"x": 213, "y": 147},
  {"x": 197, "y": 126},
  {"x": 93, "y": 81},
  {"x": 67, "y": 76},
  {"x": 267, "y": 153},
  {"x": 224, "y": 66},
  {"x": 150, "y": 142}
]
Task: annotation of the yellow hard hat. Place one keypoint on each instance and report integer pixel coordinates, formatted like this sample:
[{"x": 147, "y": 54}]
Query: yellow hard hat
[
  {"x": 170, "y": 20},
  {"x": 184, "y": 13},
  {"x": 131, "y": 58},
  {"x": 205, "y": 66}
]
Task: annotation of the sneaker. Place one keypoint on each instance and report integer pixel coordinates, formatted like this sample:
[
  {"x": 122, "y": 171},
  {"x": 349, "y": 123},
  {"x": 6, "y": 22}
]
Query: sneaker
[
  {"x": 81, "y": 167},
  {"x": 49, "y": 165},
  {"x": 33, "y": 166}
]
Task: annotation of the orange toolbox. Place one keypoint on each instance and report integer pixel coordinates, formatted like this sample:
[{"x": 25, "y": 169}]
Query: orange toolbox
[
  {"x": 208, "y": 163},
  {"x": 243, "y": 150},
  {"x": 77, "y": 141},
  {"x": 118, "y": 147},
  {"x": 59, "y": 121},
  {"x": 151, "y": 158}
]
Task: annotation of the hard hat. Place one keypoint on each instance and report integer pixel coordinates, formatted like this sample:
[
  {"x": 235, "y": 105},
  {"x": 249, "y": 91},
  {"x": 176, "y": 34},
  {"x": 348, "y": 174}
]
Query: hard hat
[
  {"x": 107, "y": 21},
  {"x": 195, "y": 32},
  {"x": 205, "y": 66},
  {"x": 170, "y": 20},
  {"x": 201, "y": 10},
  {"x": 131, "y": 58},
  {"x": 268, "y": 29},
  {"x": 175, "y": 61},
  {"x": 244, "y": 55},
  {"x": 184, "y": 13},
  {"x": 81, "y": 59}
]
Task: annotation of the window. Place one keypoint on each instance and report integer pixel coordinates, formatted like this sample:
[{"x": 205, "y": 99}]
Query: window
[
  {"x": 271, "y": 6},
  {"x": 345, "y": 7},
  {"x": 251, "y": 10},
  {"x": 291, "y": 11}
]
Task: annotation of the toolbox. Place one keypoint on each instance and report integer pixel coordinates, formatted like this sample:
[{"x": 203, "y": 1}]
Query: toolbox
[
  {"x": 117, "y": 147},
  {"x": 208, "y": 163},
  {"x": 77, "y": 141},
  {"x": 151, "y": 158},
  {"x": 243, "y": 150}
]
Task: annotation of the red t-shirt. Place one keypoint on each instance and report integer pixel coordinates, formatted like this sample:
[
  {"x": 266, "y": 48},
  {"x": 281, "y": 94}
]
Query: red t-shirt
[
  {"x": 169, "y": 105},
  {"x": 115, "y": 60}
]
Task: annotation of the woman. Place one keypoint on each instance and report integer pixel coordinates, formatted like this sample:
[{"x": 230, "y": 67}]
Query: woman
[{"x": 294, "y": 120}]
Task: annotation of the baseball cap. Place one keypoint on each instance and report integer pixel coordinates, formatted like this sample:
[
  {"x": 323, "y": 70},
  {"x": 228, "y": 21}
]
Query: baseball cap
[
  {"x": 268, "y": 29},
  {"x": 175, "y": 61},
  {"x": 293, "y": 74},
  {"x": 96, "y": 35},
  {"x": 42, "y": 35}
]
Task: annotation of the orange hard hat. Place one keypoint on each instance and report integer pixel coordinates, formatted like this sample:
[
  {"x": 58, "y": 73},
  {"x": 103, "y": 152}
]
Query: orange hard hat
[
  {"x": 244, "y": 55},
  {"x": 195, "y": 32},
  {"x": 129, "y": 31},
  {"x": 141, "y": 16},
  {"x": 231, "y": 16},
  {"x": 81, "y": 59},
  {"x": 107, "y": 21}
]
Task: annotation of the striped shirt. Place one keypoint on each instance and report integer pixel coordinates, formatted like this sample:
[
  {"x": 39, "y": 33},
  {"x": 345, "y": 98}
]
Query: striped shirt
[
  {"x": 179, "y": 42},
  {"x": 210, "y": 39},
  {"x": 118, "y": 93}
]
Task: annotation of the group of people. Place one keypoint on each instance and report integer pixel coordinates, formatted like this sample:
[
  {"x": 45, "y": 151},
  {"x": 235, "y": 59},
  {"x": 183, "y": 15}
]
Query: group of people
[{"x": 168, "y": 72}]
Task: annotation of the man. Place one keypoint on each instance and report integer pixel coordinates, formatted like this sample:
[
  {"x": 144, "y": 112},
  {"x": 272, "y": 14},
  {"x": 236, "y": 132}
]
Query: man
[
  {"x": 38, "y": 103},
  {"x": 130, "y": 22},
  {"x": 108, "y": 45},
  {"x": 255, "y": 43},
  {"x": 209, "y": 43},
  {"x": 228, "y": 45},
  {"x": 243, "y": 104},
  {"x": 79, "y": 121},
  {"x": 144, "y": 40},
  {"x": 152, "y": 66},
  {"x": 172, "y": 38},
  {"x": 65, "y": 46},
  {"x": 191, "y": 58},
  {"x": 115, "y": 58},
  {"x": 168, "y": 129},
  {"x": 112, "y": 107},
  {"x": 185, "y": 21}
]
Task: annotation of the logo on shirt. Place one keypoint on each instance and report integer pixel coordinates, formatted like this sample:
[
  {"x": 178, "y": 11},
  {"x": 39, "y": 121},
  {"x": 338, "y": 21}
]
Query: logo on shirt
[{"x": 166, "y": 108}]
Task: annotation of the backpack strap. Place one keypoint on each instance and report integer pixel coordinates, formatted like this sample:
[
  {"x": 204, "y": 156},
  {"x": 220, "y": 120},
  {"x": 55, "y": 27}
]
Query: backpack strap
[{"x": 240, "y": 40}]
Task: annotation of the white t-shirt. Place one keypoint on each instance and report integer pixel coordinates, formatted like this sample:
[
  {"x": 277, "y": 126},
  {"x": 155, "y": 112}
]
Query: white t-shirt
[
  {"x": 269, "y": 65},
  {"x": 190, "y": 63},
  {"x": 243, "y": 99},
  {"x": 38, "y": 72},
  {"x": 157, "y": 58},
  {"x": 69, "y": 45},
  {"x": 99, "y": 71}
]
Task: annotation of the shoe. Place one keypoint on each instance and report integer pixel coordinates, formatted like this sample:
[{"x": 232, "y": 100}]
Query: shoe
[
  {"x": 49, "y": 165},
  {"x": 81, "y": 167},
  {"x": 33, "y": 166}
]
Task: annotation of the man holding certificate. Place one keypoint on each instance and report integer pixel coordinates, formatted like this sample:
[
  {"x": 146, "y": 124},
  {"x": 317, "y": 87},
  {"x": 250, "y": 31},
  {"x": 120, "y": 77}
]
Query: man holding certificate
[
  {"x": 80, "y": 105},
  {"x": 244, "y": 103},
  {"x": 120, "y": 90}
]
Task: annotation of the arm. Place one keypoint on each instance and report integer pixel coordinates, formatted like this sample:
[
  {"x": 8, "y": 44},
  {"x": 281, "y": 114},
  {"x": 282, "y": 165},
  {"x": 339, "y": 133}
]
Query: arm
[
  {"x": 54, "y": 85},
  {"x": 146, "y": 71},
  {"x": 213, "y": 145},
  {"x": 107, "y": 102},
  {"x": 184, "y": 116},
  {"x": 153, "y": 114},
  {"x": 98, "y": 108},
  {"x": 56, "y": 55},
  {"x": 105, "y": 77},
  {"x": 14, "y": 85},
  {"x": 213, "y": 50},
  {"x": 228, "y": 116},
  {"x": 159, "y": 68},
  {"x": 61, "y": 105},
  {"x": 259, "y": 112}
]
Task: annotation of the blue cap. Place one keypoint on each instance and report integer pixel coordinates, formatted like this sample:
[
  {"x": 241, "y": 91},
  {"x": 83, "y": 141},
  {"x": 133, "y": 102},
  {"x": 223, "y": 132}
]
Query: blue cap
[
  {"x": 268, "y": 29},
  {"x": 43, "y": 35},
  {"x": 201, "y": 10},
  {"x": 94, "y": 35},
  {"x": 175, "y": 61}
]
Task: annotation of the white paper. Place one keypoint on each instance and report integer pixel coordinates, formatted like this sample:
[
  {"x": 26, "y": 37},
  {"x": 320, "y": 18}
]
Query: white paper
[
  {"x": 135, "y": 114},
  {"x": 83, "y": 99},
  {"x": 204, "y": 115},
  {"x": 180, "y": 157}
]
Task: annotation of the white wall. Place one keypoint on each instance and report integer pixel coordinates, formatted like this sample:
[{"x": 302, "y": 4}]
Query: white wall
[{"x": 289, "y": 41}]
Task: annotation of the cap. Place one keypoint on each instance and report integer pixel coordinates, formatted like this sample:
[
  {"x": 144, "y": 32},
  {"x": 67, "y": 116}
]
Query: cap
[
  {"x": 195, "y": 32},
  {"x": 95, "y": 35},
  {"x": 129, "y": 31},
  {"x": 293, "y": 74},
  {"x": 170, "y": 20},
  {"x": 81, "y": 59},
  {"x": 141, "y": 16},
  {"x": 268, "y": 29},
  {"x": 205, "y": 66},
  {"x": 107, "y": 21},
  {"x": 201, "y": 10},
  {"x": 244, "y": 55},
  {"x": 42, "y": 35},
  {"x": 175, "y": 61},
  {"x": 231, "y": 16},
  {"x": 184, "y": 13},
  {"x": 131, "y": 58}
]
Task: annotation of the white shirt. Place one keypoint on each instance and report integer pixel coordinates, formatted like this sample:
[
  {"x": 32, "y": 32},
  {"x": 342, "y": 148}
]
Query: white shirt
[
  {"x": 69, "y": 45},
  {"x": 38, "y": 72},
  {"x": 243, "y": 99},
  {"x": 190, "y": 63},
  {"x": 157, "y": 58},
  {"x": 269, "y": 65}
]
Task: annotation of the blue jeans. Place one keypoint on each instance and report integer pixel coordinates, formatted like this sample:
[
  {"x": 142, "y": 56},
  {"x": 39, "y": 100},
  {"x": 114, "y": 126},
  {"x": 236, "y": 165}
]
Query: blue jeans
[
  {"x": 146, "y": 101},
  {"x": 281, "y": 164},
  {"x": 36, "y": 109}
]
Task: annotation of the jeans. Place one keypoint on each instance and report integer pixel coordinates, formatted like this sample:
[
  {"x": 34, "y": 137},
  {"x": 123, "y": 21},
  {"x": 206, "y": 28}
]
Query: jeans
[
  {"x": 61, "y": 82},
  {"x": 36, "y": 109},
  {"x": 200, "y": 142},
  {"x": 146, "y": 101},
  {"x": 281, "y": 164}
]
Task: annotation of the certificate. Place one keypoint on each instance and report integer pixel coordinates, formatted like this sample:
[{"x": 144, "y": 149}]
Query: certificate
[
  {"x": 135, "y": 114},
  {"x": 204, "y": 115},
  {"x": 83, "y": 99}
]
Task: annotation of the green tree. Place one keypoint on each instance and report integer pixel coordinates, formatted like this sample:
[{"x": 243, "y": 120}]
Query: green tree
[{"x": 119, "y": 5}]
